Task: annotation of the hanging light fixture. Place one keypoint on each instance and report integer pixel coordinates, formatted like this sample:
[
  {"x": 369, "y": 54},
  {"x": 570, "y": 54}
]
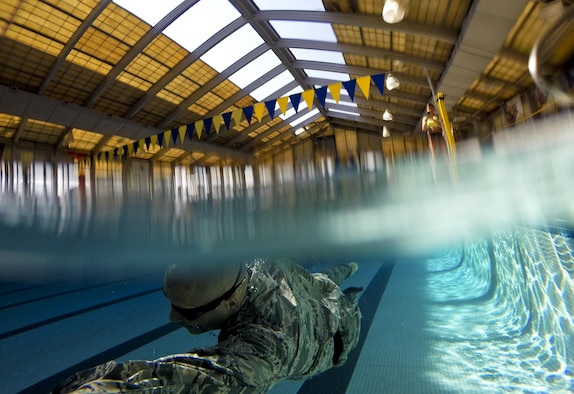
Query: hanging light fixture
[
  {"x": 386, "y": 132},
  {"x": 387, "y": 115},
  {"x": 393, "y": 11},
  {"x": 392, "y": 82}
]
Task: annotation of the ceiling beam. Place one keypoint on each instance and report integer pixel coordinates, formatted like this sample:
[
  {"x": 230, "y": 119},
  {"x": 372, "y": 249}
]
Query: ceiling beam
[{"x": 360, "y": 20}]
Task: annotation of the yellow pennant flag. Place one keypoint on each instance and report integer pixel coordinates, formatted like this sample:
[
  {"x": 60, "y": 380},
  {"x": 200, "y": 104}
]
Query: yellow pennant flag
[
  {"x": 166, "y": 138},
  {"x": 141, "y": 145},
  {"x": 365, "y": 85},
  {"x": 217, "y": 119},
  {"x": 182, "y": 129},
  {"x": 335, "y": 89},
  {"x": 308, "y": 97},
  {"x": 153, "y": 140},
  {"x": 258, "y": 109},
  {"x": 283, "y": 102},
  {"x": 131, "y": 149},
  {"x": 236, "y": 115},
  {"x": 199, "y": 127}
]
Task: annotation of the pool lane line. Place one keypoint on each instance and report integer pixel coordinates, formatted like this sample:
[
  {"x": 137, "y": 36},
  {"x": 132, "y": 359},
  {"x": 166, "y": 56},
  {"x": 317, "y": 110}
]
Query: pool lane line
[
  {"x": 336, "y": 380},
  {"x": 48, "y": 384},
  {"x": 55, "y": 319},
  {"x": 79, "y": 289}
]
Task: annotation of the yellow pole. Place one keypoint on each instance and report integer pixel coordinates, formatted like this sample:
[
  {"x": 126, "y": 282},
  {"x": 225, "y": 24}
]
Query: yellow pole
[{"x": 447, "y": 128}]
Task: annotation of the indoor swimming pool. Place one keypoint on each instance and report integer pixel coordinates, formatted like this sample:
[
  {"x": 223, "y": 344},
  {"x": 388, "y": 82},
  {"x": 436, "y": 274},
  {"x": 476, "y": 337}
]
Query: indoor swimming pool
[{"x": 468, "y": 278}]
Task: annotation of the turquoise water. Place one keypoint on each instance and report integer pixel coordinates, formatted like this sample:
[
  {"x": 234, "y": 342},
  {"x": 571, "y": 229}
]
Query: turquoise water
[{"x": 480, "y": 297}]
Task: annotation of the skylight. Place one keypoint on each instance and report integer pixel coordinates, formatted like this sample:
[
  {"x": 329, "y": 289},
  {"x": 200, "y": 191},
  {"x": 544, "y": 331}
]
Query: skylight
[
  {"x": 233, "y": 48},
  {"x": 272, "y": 86},
  {"x": 200, "y": 22},
  {"x": 255, "y": 69},
  {"x": 343, "y": 112},
  {"x": 318, "y": 55},
  {"x": 315, "y": 31},
  {"x": 327, "y": 75},
  {"x": 307, "y": 5},
  {"x": 341, "y": 102},
  {"x": 150, "y": 11},
  {"x": 300, "y": 122}
]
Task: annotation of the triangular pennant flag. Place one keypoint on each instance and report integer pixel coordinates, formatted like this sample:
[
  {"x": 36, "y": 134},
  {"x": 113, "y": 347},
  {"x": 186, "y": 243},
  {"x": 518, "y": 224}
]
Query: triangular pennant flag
[
  {"x": 137, "y": 145},
  {"x": 198, "y": 128},
  {"x": 350, "y": 86},
  {"x": 217, "y": 123},
  {"x": 283, "y": 101},
  {"x": 308, "y": 96},
  {"x": 182, "y": 130},
  {"x": 295, "y": 100},
  {"x": 365, "y": 85},
  {"x": 130, "y": 149},
  {"x": 160, "y": 139},
  {"x": 321, "y": 94},
  {"x": 227, "y": 120},
  {"x": 207, "y": 122},
  {"x": 335, "y": 89},
  {"x": 258, "y": 109},
  {"x": 174, "y": 134},
  {"x": 167, "y": 137},
  {"x": 237, "y": 116},
  {"x": 271, "y": 107},
  {"x": 147, "y": 142},
  {"x": 126, "y": 150},
  {"x": 248, "y": 111},
  {"x": 153, "y": 140},
  {"x": 379, "y": 81},
  {"x": 107, "y": 155},
  {"x": 190, "y": 130},
  {"x": 115, "y": 152}
]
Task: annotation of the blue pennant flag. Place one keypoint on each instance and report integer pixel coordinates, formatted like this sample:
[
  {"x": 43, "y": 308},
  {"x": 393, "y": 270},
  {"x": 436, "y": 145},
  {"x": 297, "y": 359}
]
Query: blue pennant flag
[
  {"x": 248, "y": 112},
  {"x": 350, "y": 86},
  {"x": 379, "y": 81},
  {"x": 160, "y": 139},
  {"x": 174, "y": 134},
  {"x": 321, "y": 94},
  {"x": 147, "y": 142},
  {"x": 227, "y": 119},
  {"x": 136, "y": 146},
  {"x": 189, "y": 130},
  {"x": 295, "y": 100},
  {"x": 271, "y": 107},
  {"x": 208, "y": 122}
]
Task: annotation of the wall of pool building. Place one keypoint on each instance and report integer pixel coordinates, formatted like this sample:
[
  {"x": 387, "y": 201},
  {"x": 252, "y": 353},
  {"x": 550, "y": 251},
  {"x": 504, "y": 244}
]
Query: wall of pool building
[{"x": 468, "y": 276}]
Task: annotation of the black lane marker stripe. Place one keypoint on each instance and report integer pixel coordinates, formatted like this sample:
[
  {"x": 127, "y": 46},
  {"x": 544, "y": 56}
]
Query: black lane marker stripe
[
  {"x": 65, "y": 292},
  {"x": 74, "y": 313},
  {"x": 46, "y": 385},
  {"x": 336, "y": 380}
]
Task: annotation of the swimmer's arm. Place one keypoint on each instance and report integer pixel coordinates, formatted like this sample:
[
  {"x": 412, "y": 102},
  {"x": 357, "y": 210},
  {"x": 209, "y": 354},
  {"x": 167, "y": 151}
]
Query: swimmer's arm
[{"x": 256, "y": 363}]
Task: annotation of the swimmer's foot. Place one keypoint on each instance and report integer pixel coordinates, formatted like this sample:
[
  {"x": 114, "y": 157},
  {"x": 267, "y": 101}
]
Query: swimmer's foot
[{"x": 354, "y": 267}]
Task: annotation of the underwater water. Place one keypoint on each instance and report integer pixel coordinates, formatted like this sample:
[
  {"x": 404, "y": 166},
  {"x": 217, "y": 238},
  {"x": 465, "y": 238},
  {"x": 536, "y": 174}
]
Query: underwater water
[{"x": 468, "y": 270}]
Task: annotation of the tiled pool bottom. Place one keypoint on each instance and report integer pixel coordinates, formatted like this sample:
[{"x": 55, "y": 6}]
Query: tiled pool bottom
[{"x": 492, "y": 316}]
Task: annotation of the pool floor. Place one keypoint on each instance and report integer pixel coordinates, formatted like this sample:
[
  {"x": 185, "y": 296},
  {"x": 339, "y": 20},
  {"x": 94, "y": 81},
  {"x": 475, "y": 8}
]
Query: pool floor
[{"x": 414, "y": 338}]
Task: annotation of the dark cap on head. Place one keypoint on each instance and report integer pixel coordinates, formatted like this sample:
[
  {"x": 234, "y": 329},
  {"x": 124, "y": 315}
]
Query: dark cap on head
[{"x": 192, "y": 286}]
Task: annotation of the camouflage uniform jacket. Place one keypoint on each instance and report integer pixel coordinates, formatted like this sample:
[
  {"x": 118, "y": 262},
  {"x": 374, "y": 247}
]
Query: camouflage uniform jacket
[{"x": 287, "y": 328}]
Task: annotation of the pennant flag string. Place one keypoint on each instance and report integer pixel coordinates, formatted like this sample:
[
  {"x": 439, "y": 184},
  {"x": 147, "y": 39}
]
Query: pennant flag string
[{"x": 164, "y": 138}]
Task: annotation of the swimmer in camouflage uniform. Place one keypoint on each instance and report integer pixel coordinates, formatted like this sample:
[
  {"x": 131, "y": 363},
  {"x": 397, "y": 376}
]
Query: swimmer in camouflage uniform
[{"x": 277, "y": 322}]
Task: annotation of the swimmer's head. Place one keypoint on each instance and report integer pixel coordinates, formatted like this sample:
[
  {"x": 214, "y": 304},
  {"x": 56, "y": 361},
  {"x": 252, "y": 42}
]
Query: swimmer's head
[{"x": 202, "y": 298}]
